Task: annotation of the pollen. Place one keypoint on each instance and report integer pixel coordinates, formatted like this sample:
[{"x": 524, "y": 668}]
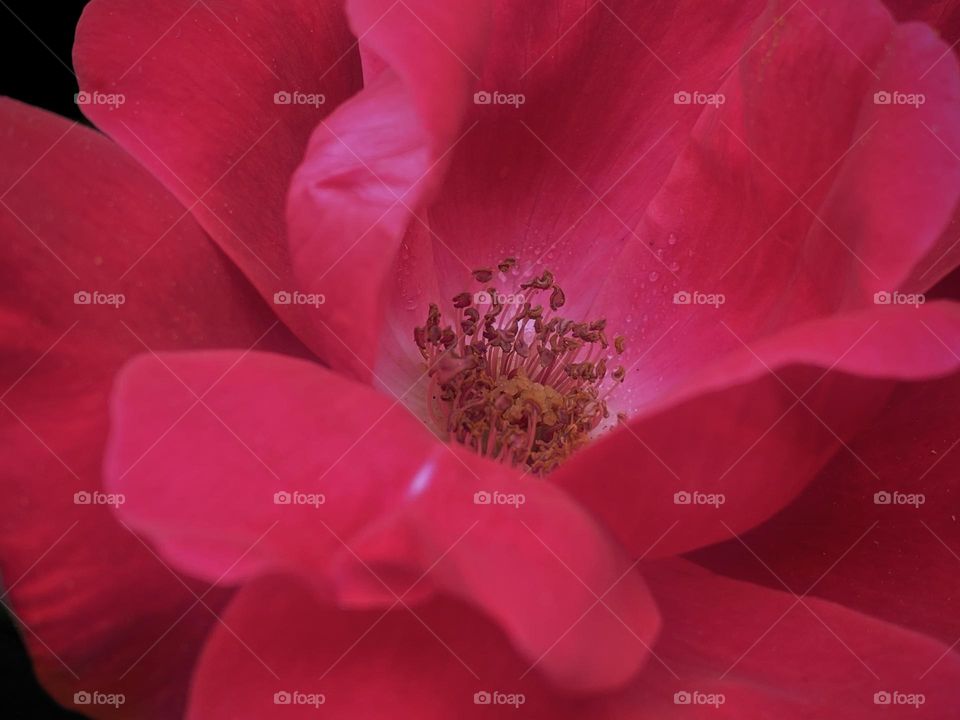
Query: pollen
[{"x": 511, "y": 378}]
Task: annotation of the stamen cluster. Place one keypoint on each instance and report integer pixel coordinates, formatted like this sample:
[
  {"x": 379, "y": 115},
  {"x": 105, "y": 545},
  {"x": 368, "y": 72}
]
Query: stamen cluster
[{"x": 513, "y": 380}]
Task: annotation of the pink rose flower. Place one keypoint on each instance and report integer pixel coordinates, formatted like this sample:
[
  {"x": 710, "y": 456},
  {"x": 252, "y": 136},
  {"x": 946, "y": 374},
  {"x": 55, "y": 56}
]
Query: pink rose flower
[{"x": 543, "y": 359}]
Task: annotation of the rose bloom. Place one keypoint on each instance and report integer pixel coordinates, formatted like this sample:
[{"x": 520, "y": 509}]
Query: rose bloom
[{"x": 488, "y": 359}]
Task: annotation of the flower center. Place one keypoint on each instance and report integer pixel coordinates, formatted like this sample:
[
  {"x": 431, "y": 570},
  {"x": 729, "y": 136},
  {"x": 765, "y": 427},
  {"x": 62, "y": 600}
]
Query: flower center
[{"x": 513, "y": 380}]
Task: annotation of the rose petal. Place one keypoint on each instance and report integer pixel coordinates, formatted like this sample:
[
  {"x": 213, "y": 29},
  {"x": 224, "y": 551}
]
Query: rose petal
[
  {"x": 424, "y": 662},
  {"x": 767, "y": 655},
  {"x": 911, "y": 541},
  {"x": 98, "y": 611},
  {"x": 799, "y": 170},
  {"x": 517, "y": 175},
  {"x": 763, "y": 421},
  {"x": 944, "y": 15},
  {"x": 559, "y": 176},
  {"x": 380, "y": 506},
  {"x": 200, "y": 83},
  {"x": 369, "y": 168}
]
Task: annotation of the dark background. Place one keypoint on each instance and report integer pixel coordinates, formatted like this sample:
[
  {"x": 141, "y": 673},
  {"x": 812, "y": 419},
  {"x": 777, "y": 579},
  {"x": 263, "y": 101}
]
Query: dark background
[
  {"x": 36, "y": 44},
  {"x": 36, "y": 40}
]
